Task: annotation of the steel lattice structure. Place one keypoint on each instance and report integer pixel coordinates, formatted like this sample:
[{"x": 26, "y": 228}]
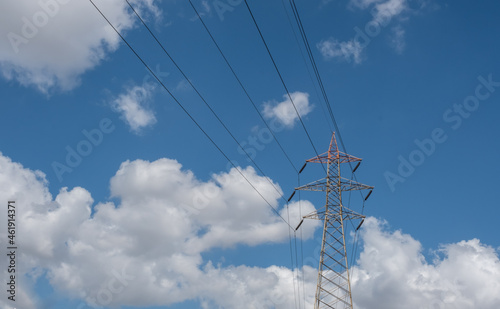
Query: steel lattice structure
[{"x": 334, "y": 288}]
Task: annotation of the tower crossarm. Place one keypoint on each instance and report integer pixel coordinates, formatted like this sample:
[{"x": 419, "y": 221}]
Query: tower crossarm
[
  {"x": 333, "y": 155},
  {"x": 350, "y": 185},
  {"x": 318, "y": 185},
  {"x": 346, "y": 185},
  {"x": 347, "y": 214}
]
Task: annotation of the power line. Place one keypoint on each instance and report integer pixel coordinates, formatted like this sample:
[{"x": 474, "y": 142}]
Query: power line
[
  {"x": 281, "y": 78},
  {"x": 301, "y": 245},
  {"x": 305, "y": 62},
  {"x": 289, "y": 96},
  {"x": 320, "y": 82},
  {"x": 222, "y": 123},
  {"x": 241, "y": 85},
  {"x": 291, "y": 258},
  {"x": 186, "y": 112},
  {"x": 315, "y": 68}
]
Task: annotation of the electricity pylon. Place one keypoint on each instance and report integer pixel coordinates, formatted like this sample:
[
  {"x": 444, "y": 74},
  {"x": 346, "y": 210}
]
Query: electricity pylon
[{"x": 334, "y": 287}]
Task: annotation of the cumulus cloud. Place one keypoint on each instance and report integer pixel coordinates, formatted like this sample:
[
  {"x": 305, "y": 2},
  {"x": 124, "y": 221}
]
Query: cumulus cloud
[
  {"x": 49, "y": 44},
  {"x": 348, "y": 51},
  {"x": 285, "y": 112},
  {"x": 147, "y": 249},
  {"x": 392, "y": 271},
  {"x": 133, "y": 107},
  {"x": 256, "y": 288}
]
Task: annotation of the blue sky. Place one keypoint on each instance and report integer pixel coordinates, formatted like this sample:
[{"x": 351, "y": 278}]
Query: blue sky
[{"x": 414, "y": 86}]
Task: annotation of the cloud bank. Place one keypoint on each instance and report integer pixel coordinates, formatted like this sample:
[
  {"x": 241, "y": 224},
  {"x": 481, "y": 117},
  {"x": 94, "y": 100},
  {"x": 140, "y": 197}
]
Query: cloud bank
[
  {"x": 147, "y": 248},
  {"x": 392, "y": 273}
]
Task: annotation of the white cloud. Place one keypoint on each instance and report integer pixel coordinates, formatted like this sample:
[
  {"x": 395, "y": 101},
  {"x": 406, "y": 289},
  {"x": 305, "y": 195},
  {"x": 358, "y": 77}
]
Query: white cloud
[
  {"x": 387, "y": 10},
  {"x": 255, "y": 288},
  {"x": 49, "y": 44},
  {"x": 348, "y": 51},
  {"x": 182, "y": 85},
  {"x": 133, "y": 107},
  {"x": 398, "y": 39},
  {"x": 206, "y": 6},
  {"x": 363, "y": 4},
  {"x": 383, "y": 12},
  {"x": 392, "y": 271},
  {"x": 285, "y": 112},
  {"x": 146, "y": 250}
]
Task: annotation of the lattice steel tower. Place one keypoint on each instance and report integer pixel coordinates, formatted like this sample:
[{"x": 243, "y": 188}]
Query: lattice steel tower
[{"x": 334, "y": 288}]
